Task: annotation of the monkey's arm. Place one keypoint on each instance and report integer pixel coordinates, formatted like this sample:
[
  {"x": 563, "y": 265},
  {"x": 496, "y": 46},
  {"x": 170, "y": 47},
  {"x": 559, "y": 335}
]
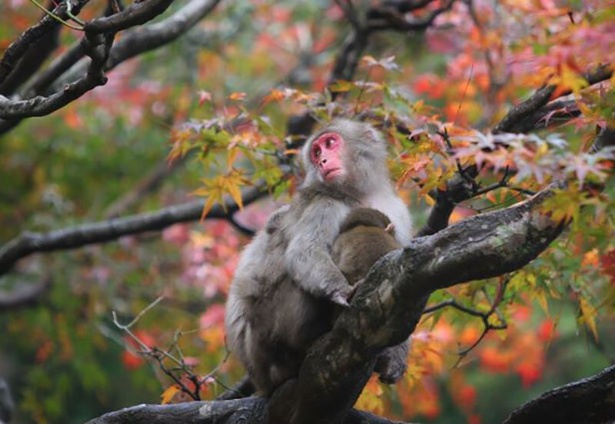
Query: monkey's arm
[{"x": 307, "y": 256}]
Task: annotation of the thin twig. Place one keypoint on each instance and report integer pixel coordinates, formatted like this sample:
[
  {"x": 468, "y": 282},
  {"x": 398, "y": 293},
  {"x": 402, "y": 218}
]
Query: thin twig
[
  {"x": 136, "y": 319},
  {"x": 57, "y": 18}
]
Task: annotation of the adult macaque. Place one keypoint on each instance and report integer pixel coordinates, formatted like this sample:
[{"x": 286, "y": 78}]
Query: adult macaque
[
  {"x": 365, "y": 236},
  {"x": 286, "y": 285}
]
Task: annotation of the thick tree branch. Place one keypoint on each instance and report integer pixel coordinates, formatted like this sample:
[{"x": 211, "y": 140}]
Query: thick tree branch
[
  {"x": 245, "y": 410},
  {"x": 134, "y": 42},
  {"x": 31, "y": 61},
  {"x": 96, "y": 44},
  {"x": 58, "y": 66},
  {"x": 143, "y": 39},
  {"x": 589, "y": 400}
]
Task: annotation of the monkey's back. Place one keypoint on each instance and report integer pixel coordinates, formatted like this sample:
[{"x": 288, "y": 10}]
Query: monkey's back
[{"x": 355, "y": 251}]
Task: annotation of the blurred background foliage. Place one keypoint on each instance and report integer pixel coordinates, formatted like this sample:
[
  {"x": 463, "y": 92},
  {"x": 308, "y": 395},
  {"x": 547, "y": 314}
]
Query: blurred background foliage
[{"x": 65, "y": 358}]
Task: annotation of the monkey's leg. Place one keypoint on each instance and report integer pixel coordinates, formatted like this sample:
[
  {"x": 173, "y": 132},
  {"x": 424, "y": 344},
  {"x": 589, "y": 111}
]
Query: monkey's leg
[{"x": 392, "y": 363}]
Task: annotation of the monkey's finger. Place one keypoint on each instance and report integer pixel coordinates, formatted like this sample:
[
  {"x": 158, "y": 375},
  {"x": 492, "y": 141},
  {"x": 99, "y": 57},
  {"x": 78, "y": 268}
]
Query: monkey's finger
[{"x": 340, "y": 299}]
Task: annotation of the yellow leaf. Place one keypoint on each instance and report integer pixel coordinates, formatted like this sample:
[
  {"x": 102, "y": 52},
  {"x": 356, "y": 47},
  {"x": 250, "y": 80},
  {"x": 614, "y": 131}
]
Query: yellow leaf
[
  {"x": 371, "y": 397},
  {"x": 231, "y": 157},
  {"x": 168, "y": 394},
  {"x": 572, "y": 79},
  {"x": 274, "y": 96},
  {"x": 588, "y": 314},
  {"x": 341, "y": 86},
  {"x": 235, "y": 191},
  {"x": 207, "y": 207},
  {"x": 541, "y": 297},
  {"x": 237, "y": 96},
  {"x": 591, "y": 258}
]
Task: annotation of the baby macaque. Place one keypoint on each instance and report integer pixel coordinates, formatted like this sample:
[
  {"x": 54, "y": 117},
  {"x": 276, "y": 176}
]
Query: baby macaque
[{"x": 365, "y": 236}]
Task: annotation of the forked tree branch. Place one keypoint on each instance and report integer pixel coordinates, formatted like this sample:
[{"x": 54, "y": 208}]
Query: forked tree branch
[{"x": 70, "y": 84}]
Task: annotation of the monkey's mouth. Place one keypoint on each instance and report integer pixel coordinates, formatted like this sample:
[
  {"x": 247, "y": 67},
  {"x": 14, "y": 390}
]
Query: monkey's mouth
[{"x": 332, "y": 173}]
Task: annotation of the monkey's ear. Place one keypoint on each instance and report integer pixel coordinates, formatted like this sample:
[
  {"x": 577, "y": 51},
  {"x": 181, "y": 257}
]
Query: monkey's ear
[
  {"x": 390, "y": 229},
  {"x": 372, "y": 133}
]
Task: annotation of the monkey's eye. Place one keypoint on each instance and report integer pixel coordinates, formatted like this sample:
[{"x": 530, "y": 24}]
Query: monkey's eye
[
  {"x": 329, "y": 142},
  {"x": 316, "y": 152}
]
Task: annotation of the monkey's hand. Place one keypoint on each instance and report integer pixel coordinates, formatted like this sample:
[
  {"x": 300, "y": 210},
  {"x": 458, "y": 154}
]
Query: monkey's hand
[{"x": 341, "y": 296}]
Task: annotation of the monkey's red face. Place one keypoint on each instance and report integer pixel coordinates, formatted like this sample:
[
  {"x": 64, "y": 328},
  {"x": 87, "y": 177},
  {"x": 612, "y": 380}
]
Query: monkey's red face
[{"x": 326, "y": 155}]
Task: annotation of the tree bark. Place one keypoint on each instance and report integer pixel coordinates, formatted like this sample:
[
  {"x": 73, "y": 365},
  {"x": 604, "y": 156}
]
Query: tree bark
[{"x": 590, "y": 400}]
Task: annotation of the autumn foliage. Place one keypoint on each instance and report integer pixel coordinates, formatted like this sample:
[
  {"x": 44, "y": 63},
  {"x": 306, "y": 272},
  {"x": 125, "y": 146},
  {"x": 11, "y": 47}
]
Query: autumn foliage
[{"x": 212, "y": 113}]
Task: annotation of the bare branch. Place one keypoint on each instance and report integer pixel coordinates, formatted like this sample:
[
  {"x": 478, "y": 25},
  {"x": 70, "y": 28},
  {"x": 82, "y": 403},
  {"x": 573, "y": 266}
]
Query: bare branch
[
  {"x": 140, "y": 40},
  {"x": 74, "y": 237},
  {"x": 24, "y": 294},
  {"x": 35, "y": 55},
  {"x": 60, "y": 65},
  {"x": 246, "y": 410},
  {"x": 135, "y": 42}
]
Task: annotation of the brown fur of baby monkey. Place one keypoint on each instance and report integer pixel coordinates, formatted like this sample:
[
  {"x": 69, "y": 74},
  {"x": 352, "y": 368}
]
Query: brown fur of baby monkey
[{"x": 366, "y": 235}]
